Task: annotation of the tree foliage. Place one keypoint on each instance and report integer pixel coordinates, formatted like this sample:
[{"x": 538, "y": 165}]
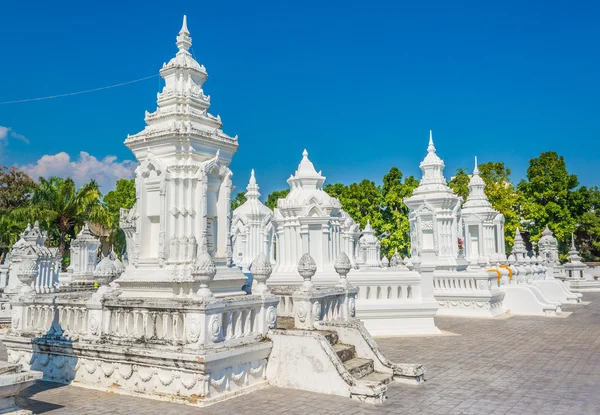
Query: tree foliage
[
  {"x": 123, "y": 197},
  {"x": 383, "y": 206},
  {"x": 238, "y": 200},
  {"x": 547, "y": 196},
  {"x": 15, "y": 191},
  {"x": 274, "y": 196},
  {"x": 460, "y": 184},
  {"x": 61, "y": 208},
  {"x": 15, "y": 188},
  {"x": 503, "y": 197}
]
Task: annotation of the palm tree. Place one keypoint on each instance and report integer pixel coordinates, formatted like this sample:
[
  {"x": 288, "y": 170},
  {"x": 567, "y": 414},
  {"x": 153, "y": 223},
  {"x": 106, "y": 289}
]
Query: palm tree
[{"x": 57, "y": 202}]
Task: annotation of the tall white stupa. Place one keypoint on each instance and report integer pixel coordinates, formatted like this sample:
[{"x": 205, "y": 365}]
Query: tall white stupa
[{"x": 183, "y": 185}]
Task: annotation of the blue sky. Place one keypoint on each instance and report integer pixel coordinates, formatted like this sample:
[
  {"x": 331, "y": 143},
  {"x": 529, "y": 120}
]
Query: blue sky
[{"x": 359, "y": 84}]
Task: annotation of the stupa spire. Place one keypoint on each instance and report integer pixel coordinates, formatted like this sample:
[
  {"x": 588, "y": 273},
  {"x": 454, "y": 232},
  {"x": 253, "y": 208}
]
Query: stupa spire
[
  {"x": 306, "y": 175},
  {"x": 432, "y": 167},
  {"x": 252, "y": 188},
  {"x": 184, "y": 40},
  {"x": 519, "y": 248},
  {"x": 431, "y": 147},
  {"x": 477, "y": 196}
]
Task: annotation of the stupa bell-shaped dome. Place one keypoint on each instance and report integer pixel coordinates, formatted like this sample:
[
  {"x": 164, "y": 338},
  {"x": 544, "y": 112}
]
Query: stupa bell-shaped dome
[
  {"x": 105, "y": 268},
  {"x": 306, "y": 192},
  {"x": 432, "y": 166},
  {"x": 252, "y": 206},
  {"x": 477, "y": 196}
]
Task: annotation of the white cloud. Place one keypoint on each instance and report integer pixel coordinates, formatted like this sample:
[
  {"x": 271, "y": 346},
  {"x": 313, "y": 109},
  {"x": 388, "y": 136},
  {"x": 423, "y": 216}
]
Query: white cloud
[
  {"x": 4, "y": 132},
  {"x": 7, "y": 132},
  {"x": 106, "y": 171}
]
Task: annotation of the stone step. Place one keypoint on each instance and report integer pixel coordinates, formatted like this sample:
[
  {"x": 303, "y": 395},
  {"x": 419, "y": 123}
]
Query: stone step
[
  {"x": 331, "y": 337},
  {"x": 384, "y": 378},
  {"x": 344, "y": 351},
  {"x": 359, "y": 367}
]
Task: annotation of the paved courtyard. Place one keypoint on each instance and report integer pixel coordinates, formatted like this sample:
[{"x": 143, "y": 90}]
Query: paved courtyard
[{"x": 517, "y": 365}]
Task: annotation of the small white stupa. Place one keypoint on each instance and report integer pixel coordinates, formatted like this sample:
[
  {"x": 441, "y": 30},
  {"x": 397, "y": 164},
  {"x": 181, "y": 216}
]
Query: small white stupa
[
  {"x": 369, "y": 248},
  {"x": 483, "y": 225},
  {"x": 307, "y": 220},
  {"x": 434, "y": 215},
  {"x": 252, "y": 229}
]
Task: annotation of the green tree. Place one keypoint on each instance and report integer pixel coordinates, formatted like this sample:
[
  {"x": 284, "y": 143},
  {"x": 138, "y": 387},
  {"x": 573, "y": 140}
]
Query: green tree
[
  {"x": 503, "y": 197},
  {"x": 546, "y": 197},
  {"x": 123, "y": 197},
  {"x": 15, "y": 188},
  {"x": 588, "y": 236},
  {"x": 396, "y": 226},
  {"x": 585, "y": 207},
  {"x": 62, "y": 208},
  {"x": 15, "y": 191},
  {"x": 274, "y": 196},
  {"x": 460, "y": 184},
  {"x": 238, "y": 200},
  {"x": 362, "y": 201}
]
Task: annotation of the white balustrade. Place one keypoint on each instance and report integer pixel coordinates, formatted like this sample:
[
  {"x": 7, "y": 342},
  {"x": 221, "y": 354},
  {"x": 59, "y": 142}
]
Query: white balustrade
[
  {"x": 71, "y": 318},
  {"x": 387, "y": 292}
]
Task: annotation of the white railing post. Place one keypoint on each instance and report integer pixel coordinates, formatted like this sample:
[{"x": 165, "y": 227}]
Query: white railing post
[
  {"x": 306, "y": 311},
  {"x": 347, "y": 307}
]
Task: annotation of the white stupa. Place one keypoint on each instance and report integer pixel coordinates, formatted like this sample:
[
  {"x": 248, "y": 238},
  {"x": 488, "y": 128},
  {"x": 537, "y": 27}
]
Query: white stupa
[
  {"x": 252, "y": 228},
  {"x": 434, "y": 215},
  {"x": 483, "y": 225},
  {"x": 183, "y": 186}
]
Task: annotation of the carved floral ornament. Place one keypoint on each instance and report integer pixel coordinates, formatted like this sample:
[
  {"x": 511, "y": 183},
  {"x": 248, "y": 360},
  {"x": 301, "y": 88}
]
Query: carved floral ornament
[
  {"x": 215, "y": 327},
  {"x": 193, "y": 330},
  {"x": 93, "y": 325},
  {"x": 342, "y": 264},
  {"x": 352, "y": 307},
  {"x": 307, "y": 266},
  {"x": 301, "y": 313},
  {"x": 271, "y": 317},
  {"x": 316, "y": 310}
]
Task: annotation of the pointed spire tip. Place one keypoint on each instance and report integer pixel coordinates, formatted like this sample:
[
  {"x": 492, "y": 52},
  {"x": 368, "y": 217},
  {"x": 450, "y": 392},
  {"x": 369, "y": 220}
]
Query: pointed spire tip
[
  {"x": 431, "y": 147},
  {"x": 184, "y": 27}
]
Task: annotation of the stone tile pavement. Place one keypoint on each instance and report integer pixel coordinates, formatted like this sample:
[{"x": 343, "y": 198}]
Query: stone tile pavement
[{"x": 517, "y": 365}]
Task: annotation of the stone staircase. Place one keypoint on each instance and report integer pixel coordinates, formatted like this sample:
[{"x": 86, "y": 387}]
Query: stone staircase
[
  {"x": 337, "y": 358},
  {"x": 360, "y": 368}
]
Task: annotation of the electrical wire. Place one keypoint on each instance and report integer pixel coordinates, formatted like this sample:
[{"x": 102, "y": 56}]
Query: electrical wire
[{"x": 78, "y": 92}]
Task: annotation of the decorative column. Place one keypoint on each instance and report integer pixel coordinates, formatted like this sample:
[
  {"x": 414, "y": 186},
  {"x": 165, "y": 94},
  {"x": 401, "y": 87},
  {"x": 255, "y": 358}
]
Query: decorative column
[{"x": 342, "y": 267}]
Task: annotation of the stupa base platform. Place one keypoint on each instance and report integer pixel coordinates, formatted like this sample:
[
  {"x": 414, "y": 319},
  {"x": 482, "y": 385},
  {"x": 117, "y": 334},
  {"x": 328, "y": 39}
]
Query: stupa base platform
[
  {"x": 158, "y": 372},
  {"x": 168, "y": 283}
]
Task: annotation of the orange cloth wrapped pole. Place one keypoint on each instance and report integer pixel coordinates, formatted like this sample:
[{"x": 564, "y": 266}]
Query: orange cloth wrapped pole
[
  {"x": 510, "y": 273},
  {"x": 497, "y": 273}
]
